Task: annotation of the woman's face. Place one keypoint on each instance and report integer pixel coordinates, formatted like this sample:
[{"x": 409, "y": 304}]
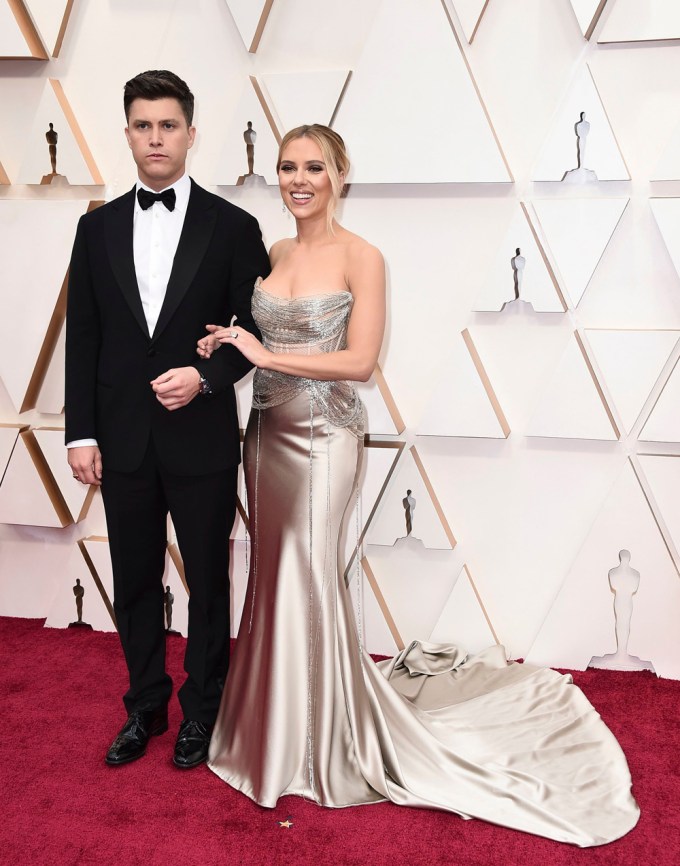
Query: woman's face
[{"x": 303, "y": 179}]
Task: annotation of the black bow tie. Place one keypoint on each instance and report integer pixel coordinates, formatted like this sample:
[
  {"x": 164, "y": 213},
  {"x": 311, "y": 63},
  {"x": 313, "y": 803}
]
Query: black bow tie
[{"x": 147, "y": 198}]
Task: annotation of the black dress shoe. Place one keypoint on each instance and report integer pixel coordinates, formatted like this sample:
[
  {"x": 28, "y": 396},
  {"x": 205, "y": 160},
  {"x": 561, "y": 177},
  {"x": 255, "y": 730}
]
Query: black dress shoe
[
  {"x": 191, "y": 748},
  {"x": 133, "y": 737}
]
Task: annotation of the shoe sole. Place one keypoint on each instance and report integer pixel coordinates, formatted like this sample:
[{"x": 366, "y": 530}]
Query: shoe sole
[{"x": 189, "y": 766}]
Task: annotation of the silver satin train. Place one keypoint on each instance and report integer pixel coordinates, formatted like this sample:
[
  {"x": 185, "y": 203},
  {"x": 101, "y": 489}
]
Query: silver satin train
[{"x": 306, "y": 711}]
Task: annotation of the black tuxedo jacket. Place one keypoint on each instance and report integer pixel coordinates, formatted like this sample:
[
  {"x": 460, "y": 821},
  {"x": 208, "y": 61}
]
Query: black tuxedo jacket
[{"x": 111, "y": 358}]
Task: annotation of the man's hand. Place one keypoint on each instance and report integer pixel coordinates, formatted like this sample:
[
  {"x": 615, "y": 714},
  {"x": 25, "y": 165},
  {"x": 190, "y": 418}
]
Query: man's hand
[
  {"x": 86, "y": 464},
  {"x": 177, "y": 387}
]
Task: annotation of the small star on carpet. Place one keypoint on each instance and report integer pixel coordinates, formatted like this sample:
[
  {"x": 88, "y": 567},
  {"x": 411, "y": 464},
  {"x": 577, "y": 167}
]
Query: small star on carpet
[{"x": 287, "y": 823}]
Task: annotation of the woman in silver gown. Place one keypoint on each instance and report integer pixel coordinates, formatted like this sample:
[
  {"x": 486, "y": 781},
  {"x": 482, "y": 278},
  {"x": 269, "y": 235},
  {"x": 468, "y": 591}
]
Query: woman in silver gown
[{"x": 305, "y": 710}]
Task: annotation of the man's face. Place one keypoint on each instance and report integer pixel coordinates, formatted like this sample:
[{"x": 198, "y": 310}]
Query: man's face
[{"x": 159, "y": 137}]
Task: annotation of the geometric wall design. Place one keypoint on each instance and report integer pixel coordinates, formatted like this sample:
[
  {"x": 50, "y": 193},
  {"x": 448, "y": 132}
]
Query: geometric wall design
[
  {"x": 548, "y": 442},
  {"x": 572, "y": 406},
  {"x": 463, "y": 148},
  {"x": 51, "y": 226},
  {"x": 625, "y": 522},
  {"x": 74, "y": 159},
  {"x": 630, "y": 363},
  {"x": 320, "y": 90},
  {"x": 588, "y": 14},
  {"x": 51, "y": 20},
  {"x": 250, "y": 16},
  {"x": 667, "y": 215},
  {"x": 233, "y": 159},
  {"x": 602, "y": 154},
  {"x": 535, "y": 282},
  {"x": 463, "y": 382},
  {"x": 641, "y": 21},
  {"x": 577, "y": 233},
  {"x": 663, "y": 424},
  {"x": 19, "y": 38},
  {"x": 469, "y": 14}
]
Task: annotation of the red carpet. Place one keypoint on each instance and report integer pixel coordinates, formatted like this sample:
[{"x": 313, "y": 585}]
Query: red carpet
[{"x": 62, "y": 806}]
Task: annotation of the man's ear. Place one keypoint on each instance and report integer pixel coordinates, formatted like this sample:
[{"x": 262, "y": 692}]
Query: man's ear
[{"x": 192, "y": 135}]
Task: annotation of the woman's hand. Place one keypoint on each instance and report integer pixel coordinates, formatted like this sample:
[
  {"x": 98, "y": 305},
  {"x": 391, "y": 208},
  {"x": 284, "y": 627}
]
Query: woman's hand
[
  {"x": 248, "y": 345},
  {"x": 207, "y": 345}
]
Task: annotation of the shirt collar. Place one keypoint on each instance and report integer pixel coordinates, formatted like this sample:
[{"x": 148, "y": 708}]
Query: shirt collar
[{"x": 182, "y": 189}]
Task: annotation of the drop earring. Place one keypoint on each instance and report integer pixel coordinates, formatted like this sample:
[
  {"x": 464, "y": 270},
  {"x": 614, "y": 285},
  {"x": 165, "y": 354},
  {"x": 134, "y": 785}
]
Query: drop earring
[{"x": 283, "y": 207}]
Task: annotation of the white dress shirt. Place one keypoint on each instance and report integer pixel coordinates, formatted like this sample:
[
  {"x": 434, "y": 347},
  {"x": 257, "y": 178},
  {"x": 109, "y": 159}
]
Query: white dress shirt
[{"x": 155, "y": 237}]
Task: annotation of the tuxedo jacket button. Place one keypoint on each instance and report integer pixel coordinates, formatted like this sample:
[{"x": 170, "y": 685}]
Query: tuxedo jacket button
[{"x": 150, "y": 353}]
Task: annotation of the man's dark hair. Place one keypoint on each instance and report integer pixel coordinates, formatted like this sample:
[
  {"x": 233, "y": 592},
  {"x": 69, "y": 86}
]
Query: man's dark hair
[{"x": 159, "y": 84}]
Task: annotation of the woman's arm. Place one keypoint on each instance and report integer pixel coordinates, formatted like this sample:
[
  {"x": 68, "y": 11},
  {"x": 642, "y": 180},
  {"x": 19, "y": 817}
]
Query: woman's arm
[{"x": 366, "y": 279}]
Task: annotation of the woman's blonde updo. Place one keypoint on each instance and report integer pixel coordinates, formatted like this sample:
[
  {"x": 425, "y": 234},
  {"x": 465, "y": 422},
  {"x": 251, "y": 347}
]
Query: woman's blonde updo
[{"x": 334, "y": 155}]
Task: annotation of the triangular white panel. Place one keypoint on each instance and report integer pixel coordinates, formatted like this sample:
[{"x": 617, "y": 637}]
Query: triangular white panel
[
  {"x": 571, "y": 407},
  {"x": 462, "y": 619},
  {"x": 580, "y": 623},
  {"x": 298, "y": 98},
  {"x": 411, "y": 572},
  {"x": 250, "y": 16},
  {"x": 663, "y": 424},
  {"x": 641, "y": 21},
  {"x": 51, "y": 18},
  {"x": 74, "y": 160},
  {"x": 97, "y": 549},
  {"x": 233, "y": 161},
  {"x": 24, "y": 495},
  {"x": 588, "y": 13},
  {"x": 460, "y": 404},
  {"x": 35, "y": 281},
  {"x": 412, "y": 86},
  {"x": 577, "y": 232},
  {"x": 630, "y": 363},
  {"x": 663, "y": 475},
  {"x": 382, "y": 414},
  {"x": 429, "y": 529},
  {"x": 28, "y": 569},
  {"x": 370, "y": 617},
  {"x": 560, "y": 152},
  {"x": 377, "y": 463},
  {"x": 76, "y": 495},
  {"x": 470, "y": 14},
  {"x": 63, "y": 610},
  {"x": 17, "y": 40},
  {"x": 509, "y": 353},
  {"x": 536, "y": 283},
  {"x": 8, "y": 439},
  {"x": 668, "y": 166},
  {"x": 244, "y": 398},
  {"x": 667, "y": 215},
  {"x": 52, "y": 392}
]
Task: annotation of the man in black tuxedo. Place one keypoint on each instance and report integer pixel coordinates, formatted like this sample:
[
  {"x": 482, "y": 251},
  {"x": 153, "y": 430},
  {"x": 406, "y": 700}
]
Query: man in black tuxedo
[{"x": 151, "y": 422}]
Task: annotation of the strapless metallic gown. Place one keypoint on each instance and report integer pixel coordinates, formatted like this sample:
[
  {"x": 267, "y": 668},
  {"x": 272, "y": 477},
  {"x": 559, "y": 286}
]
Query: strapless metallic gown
[{"x": 306, "y": 711}]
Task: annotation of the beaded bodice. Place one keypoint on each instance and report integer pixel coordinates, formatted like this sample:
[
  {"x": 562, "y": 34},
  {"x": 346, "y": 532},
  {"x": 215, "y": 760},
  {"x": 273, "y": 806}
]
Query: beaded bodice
[{"x": 306, "y": 325}]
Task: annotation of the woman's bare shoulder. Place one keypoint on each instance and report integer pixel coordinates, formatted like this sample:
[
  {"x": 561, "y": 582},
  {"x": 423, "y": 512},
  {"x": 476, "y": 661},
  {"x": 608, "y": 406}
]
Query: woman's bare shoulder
[
  {"x": 359, "y": 250},
  {"x": 362, "y": 254},
  {"x": 280, "y": 248}
]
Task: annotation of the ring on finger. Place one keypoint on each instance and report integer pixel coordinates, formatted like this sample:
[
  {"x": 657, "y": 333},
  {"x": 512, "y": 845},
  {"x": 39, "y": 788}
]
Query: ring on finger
[{"x": 234, "y": 335}]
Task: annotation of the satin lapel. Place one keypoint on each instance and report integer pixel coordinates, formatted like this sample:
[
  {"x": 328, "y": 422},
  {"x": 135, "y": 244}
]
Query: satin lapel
[
  {"x": 197, "y": 232},
  {"x": 121, "y": 254}
]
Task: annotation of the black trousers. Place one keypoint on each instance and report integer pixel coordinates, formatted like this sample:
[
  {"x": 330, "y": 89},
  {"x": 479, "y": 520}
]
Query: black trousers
[{"x": 202, "y": 509}]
